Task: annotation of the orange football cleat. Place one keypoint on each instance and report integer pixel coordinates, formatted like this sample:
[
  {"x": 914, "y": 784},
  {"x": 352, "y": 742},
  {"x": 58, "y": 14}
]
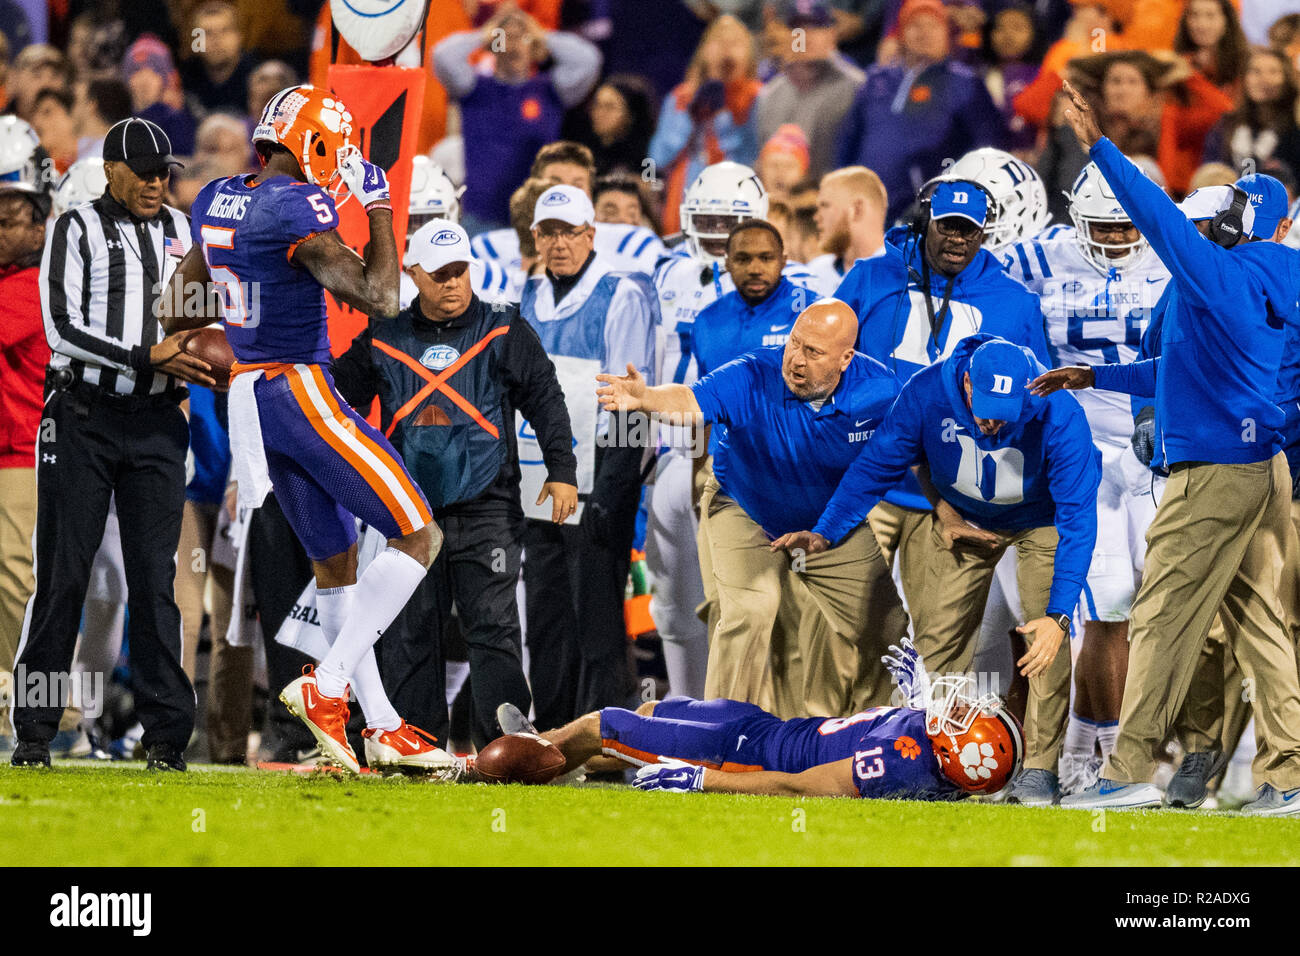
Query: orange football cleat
[
  {"x": 409, "y": 748},
  {"x": 325, "y": 717}
]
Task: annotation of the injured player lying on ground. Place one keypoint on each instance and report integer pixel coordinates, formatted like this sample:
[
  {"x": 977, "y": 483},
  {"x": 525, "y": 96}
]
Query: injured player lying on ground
[{"x": 943, "y": 744}]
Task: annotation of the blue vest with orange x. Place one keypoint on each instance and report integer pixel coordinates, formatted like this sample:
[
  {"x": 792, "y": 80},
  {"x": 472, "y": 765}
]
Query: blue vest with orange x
[{"x": 441, "y": 406}]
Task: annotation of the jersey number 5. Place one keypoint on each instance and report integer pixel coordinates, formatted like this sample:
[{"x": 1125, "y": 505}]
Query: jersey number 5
[{"x": 234, "y": 301}]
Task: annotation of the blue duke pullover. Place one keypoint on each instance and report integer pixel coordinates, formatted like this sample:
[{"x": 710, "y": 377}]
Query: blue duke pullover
[
  {"x": 1040, "y": 470},
  {"x": 1225, "y": 316}
]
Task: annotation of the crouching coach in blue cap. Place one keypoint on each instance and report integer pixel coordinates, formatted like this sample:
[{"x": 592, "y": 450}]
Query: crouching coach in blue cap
[{"x": 1006, "y": 469}]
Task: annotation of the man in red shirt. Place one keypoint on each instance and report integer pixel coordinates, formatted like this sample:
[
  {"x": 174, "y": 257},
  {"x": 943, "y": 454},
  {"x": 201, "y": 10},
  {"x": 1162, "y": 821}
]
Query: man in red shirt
[{"x": 23, "y": 356}]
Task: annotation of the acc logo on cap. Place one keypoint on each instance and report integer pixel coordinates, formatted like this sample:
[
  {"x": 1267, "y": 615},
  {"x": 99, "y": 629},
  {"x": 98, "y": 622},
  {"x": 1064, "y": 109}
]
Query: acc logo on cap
[
  {"x": 447, "y": 237},
  {"x": 555, "y": 199},
  {"x": 438, "y": 357},
  {"x": 1001, "y": 384}
]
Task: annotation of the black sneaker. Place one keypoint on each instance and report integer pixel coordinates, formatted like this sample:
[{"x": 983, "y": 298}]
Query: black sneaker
[
  {"x": 164, "y": 757},
  {"x": 1189, "y": 786},
  {"x": 30, "y": 754}
]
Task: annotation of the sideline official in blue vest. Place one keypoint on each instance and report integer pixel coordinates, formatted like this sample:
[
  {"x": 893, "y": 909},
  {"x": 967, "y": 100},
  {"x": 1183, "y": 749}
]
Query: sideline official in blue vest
[
  {"x": 591, "y": 318},
  {"x": 449, "y": 372}
]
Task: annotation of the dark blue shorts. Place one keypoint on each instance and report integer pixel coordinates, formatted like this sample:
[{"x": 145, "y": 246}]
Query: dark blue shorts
[{"x": 327, "y": 463}]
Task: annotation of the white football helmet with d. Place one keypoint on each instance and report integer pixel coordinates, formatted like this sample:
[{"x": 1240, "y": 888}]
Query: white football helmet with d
[
  {"x": 1092, "y": 201},
  {"x": 722, "y": 196},
  {"x": 1019, "y": 209}
]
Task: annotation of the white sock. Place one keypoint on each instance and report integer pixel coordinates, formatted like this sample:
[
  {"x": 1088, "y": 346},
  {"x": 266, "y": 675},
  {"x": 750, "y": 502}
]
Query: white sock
[
  {"x": 1080, "y": 736},
  {"x": 333, "y": 605},
  {"x": 1107, "y": 734},
  {"x": 381, "y": 593}
]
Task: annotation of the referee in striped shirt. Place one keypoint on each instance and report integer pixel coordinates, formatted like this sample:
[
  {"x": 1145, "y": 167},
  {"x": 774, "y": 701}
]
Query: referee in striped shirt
[{"x": 112, "y": 426}]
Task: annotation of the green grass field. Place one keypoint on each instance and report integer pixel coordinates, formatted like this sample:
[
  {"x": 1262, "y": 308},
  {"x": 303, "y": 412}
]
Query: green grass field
[{"x": 120, "y": 815}]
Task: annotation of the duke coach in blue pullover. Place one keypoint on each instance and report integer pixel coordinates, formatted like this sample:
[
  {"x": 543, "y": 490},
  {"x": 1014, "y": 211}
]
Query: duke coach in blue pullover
[
  {"x": 792, "y": 419},
  {"x": 1025, "y": 472},
  {"x": 935, "y": 285},
  {"x": 1219, "y": 533}
]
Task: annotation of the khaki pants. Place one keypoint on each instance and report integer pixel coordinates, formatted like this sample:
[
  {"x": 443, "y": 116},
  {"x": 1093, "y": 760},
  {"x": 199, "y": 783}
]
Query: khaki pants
[
  {"x": 948, "y": 606},
  {"x": 202, "y": 585},
  {"x": 17, "y": 521},
  {"x": 849, "y": 584},
  {"x": 1219, "y": 540},
  {"x": 896, "y": 528},
  {"x": 779, "y": 690},
  {"x": 1217, "y": 708}
]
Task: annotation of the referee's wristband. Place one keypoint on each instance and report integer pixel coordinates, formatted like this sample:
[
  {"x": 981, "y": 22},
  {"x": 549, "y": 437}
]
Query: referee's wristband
[{"x": 140, "y": 359}]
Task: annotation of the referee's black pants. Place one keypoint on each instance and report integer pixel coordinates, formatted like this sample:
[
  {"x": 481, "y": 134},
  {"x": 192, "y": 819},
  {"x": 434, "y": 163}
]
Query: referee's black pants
[
  {"x": 93, "y": 445},
  {"x": 477, "y": 569}
]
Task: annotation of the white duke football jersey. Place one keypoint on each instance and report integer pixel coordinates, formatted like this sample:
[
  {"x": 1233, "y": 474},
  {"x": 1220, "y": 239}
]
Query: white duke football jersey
[{"x": 1092, "y": 319}]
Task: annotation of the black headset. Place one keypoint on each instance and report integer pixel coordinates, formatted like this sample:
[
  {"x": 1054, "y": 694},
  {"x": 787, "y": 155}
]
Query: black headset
[
  {"x": 1227, "y": 227},
  {"x": 920, "y": 221}
]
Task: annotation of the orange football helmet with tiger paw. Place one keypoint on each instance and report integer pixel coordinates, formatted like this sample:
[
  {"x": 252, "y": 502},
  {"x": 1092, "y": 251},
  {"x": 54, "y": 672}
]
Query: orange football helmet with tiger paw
[{"x": 315, "y": 126}]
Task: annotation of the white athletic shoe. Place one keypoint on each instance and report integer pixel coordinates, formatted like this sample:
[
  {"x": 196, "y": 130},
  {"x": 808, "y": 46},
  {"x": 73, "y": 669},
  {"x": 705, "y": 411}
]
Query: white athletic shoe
[
  {"x": 1271, "y": 802},
  {"x": 1111, "y": 795},
  {"x": 409, "y": 748}
]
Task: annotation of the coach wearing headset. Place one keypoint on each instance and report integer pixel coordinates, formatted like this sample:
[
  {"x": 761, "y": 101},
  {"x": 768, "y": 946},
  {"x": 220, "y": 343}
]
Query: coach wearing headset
[
  {"x": 934, "y": 286},
  {"x": 1218, "y": 538}
]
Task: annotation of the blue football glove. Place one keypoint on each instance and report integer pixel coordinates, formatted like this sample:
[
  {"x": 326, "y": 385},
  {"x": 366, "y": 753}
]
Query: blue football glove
[
  {"x": 670, "y": 775},
  {"x": 364, "y": 180}
]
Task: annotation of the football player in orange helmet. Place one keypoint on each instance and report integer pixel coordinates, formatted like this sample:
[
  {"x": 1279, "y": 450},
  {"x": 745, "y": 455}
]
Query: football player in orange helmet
[
  {"x": 266, "y": 248},
  {"x": 316, "y": 128},
  {"x": 943, "y": 744},
  {"x": 979, "y": 744}
]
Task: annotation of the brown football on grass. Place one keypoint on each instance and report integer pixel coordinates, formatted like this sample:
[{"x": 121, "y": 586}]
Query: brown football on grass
[{"x": 519, "y": 758}]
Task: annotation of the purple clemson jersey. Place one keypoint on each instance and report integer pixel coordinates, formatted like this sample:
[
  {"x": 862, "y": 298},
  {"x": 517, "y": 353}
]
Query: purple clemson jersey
[
  {"x": 891, "y": 753},
  {"x": 272, "y": 310}
]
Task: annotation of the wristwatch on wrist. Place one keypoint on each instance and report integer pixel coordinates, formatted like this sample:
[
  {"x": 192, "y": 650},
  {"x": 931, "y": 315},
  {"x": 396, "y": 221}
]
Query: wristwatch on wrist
[{"x": 1062, "y": 621}]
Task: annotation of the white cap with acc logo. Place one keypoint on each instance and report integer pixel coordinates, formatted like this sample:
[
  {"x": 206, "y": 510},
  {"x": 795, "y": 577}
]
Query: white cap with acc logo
[
  {"x": 438, "y": 243},
  {"x": 565, "y": 203}
]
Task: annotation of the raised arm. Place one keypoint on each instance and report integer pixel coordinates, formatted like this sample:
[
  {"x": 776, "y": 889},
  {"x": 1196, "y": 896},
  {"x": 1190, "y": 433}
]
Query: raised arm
[
  {"x": 369, "y": 286},
  {"x": 1201, "y": 268},
  {"x": 576, "y": 69},
  {"x": 451, "y": 63}
]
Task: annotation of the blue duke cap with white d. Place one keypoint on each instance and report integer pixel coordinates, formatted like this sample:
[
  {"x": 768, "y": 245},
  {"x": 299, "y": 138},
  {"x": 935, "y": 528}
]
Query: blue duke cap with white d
[
  {"x": 959, "y": 198},
  {"x": 999, "y": 372}
]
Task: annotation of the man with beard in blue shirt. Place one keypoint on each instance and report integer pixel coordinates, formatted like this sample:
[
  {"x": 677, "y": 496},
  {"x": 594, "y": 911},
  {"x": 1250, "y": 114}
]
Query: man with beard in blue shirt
[{"x": 790, "y": 421}]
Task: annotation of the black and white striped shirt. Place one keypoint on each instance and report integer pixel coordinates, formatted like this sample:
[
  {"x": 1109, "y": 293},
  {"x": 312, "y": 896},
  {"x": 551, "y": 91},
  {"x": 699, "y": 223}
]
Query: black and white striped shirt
[{"x": 101, "y": 277}]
